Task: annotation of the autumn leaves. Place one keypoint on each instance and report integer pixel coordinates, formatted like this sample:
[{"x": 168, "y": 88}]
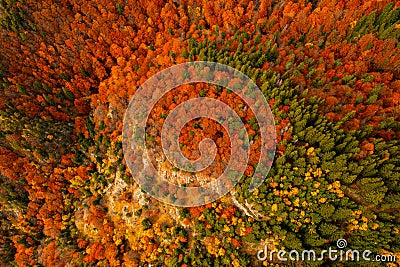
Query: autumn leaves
[{"x": 158, "y": 113}]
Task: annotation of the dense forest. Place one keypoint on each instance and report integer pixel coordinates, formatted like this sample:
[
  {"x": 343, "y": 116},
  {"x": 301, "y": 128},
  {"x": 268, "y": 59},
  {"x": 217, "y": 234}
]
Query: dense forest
[{"x": 329, "y": 70}]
